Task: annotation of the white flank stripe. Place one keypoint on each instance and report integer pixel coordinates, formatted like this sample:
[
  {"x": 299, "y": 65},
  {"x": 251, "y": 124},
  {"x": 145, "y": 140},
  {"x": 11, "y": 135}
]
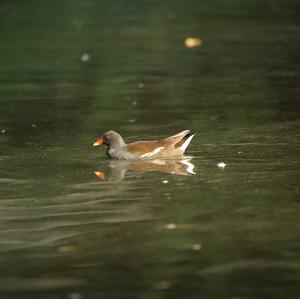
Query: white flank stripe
[{"x": 155, "y": 151}]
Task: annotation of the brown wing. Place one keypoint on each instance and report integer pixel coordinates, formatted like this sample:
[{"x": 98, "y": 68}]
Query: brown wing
[
  {"x": 168, "y": 143},
  {"x": 143, "y": 147}
]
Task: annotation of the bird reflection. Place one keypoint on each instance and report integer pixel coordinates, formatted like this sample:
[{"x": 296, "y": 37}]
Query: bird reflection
[{"x": 119, "y": 168}]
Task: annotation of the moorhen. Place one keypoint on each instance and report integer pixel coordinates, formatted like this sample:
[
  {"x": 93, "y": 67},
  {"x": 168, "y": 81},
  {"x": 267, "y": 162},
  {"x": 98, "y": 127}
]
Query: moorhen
[{"x": 170, "y": 147}]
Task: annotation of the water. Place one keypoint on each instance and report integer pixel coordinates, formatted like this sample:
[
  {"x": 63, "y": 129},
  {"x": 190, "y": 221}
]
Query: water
[{"x": 72, "y": 70}]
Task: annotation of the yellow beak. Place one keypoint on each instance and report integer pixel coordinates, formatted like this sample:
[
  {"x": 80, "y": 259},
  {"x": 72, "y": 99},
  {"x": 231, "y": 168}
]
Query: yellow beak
[{"x": 98, "y": 142}]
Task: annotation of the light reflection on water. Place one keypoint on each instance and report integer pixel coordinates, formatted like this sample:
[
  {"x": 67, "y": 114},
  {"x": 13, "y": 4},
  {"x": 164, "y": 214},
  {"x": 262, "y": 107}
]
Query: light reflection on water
[{"x": 118, "y": 169}]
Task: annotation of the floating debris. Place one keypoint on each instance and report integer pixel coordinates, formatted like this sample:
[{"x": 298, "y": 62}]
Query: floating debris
[
  {"x": 134, "y": 103},
  {"x": 66, "y": 248},
  {"x": 196, "y": 247},
  {"x": 221, "y": 165},
  {"x": 165, "y": 181},
  {"x": 34, "y": 126},
  {"x": 167, "y": 195},
  {"x": 132, "y": 121},
  {"x": 3, "y": 131},
  {"x": 141, "y": 85},
  {"x": 162, "y": 285},
  {"x": 178, "y": 226},
  {"x": 192, "y": 42},
  {"x": 171, "y": 226},
  {"x": 85, "y": 57}
]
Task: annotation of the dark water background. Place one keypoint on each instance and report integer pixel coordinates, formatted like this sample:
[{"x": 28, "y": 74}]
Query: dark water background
[{"x": 70, "y": 70}]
